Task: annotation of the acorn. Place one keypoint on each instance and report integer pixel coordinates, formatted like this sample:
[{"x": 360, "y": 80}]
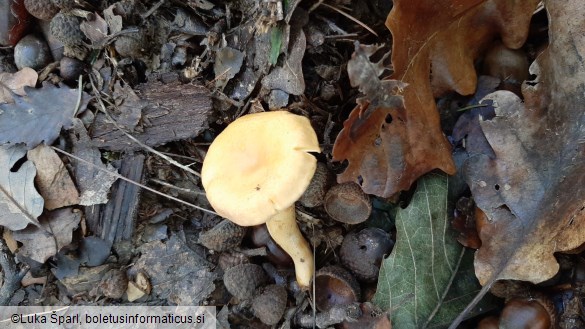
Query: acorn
[
  {"x": 242, "y": 280},
  {"x": 362, "y": 252},
  {"x": 269, "y": 304},
  {"x": 41, "y": 9},
  {"x": 32, "y": 51},
  {"x": 71, "y": 68},
  {"x": 275, "y": 254},
  {"x": 490, "y": 322},
  {"x": 223, "y": 236},
  {"x": 335, "y": 286},
  {"x": 131, "y": 44},
  {"x": 314, "y": 195},
  {"x": 528, "y": 313},
  {"x": 347, "y": 203},
  {"x": 506, "y": 64},
  {"x": 66, "y": 28}
]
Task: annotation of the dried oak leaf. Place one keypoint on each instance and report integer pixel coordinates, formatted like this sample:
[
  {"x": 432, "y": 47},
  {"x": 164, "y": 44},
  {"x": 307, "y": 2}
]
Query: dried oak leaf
[
  {"x": 533, "y": 190},
  {"x": 53, "y": 179},
  {"x": 388, "y": 148},
  {"x": 39, "y": 116}
]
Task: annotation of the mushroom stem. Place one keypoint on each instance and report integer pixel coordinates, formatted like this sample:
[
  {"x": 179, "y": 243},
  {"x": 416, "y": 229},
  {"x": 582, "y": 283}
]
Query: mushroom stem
[{"x": 284, "y": 230}]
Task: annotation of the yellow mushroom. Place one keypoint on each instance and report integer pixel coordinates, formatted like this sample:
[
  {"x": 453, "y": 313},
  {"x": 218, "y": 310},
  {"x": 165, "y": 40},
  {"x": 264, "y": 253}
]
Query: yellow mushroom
[{"x": 254, "y": 172}]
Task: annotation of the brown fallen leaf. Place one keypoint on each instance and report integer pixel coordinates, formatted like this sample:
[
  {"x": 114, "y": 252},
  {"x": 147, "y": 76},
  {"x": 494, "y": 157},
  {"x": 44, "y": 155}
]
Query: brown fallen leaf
[
  {"x": 388, "y": 148},
  {"x": 15, "y": 82},
  {"x": 533, "y": 190},
  {"x": 52, "y": 179}
]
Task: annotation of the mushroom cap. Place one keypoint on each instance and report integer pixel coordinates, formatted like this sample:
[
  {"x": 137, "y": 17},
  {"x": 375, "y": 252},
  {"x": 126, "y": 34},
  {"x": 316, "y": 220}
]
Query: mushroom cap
[{"x": 259, "y": 165}]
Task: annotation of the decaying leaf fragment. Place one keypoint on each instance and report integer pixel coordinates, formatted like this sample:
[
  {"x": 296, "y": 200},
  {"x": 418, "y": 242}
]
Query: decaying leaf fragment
[
  {"x": 20, "y": 203},
  {"x": 533, "y": 189},
  {"x": 55, "y": 232},
  {"x": 432, "y": 55}
]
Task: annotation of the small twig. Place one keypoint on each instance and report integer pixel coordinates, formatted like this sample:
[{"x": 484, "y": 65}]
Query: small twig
[
  {"x": 471, "y": 107},
  {"x": 344, "y": 36},
  {"x": 153, "y": 9},
  {"x": 148, "y": 148},
  {"x": 261, "y": 251},
  {"x": 79, "y": 95},
  {"x": 12, "y": 274},
  {"x": 132, "y": 182},
  {"x": 169, "y": 185},
  {"x": 355, "y": 20}
]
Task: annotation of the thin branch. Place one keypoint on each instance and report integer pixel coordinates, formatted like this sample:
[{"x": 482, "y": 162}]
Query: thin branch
[
  {"x": 133, "y": 182},
  {"x": 148, "y": 148},
  {"x": 355, "y": 20}
]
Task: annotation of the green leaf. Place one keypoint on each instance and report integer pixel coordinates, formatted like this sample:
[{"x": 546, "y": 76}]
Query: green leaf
[
  {"x": 428, "y": 279},
  {"x": 275, "y": 43}
]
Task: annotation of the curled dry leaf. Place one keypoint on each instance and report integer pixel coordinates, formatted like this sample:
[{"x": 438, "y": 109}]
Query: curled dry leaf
[
  {"x": 15, "y": 83},
  {"x": 388, "y": 148}
]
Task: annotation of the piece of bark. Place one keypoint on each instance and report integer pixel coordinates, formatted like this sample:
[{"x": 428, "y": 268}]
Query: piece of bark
[
  {"x": 13, "y": 274},
  {"x": 173, "y": 112},
  {"x": 114, "y": 221}
]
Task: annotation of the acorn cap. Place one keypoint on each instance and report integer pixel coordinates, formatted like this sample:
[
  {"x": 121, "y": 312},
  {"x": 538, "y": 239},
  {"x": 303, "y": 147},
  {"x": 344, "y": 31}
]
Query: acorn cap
[
  {"x": 362, "y": 252},
  {"x": 314, "y": 195},
  {"x": 270, "y": 304},
  {"x": 259, "y": 165},
  {"x": 66, "y": 28},
  {"x": 335, "y": 286},
  {"x": 242, "y": 280},
  {"x": 41, "y": 9},
  {"x": 223, "y": 236},
  {"x": 347, "y": 203}
]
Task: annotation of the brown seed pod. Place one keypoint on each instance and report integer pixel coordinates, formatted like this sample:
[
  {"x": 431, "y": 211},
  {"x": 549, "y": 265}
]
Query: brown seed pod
[
  {"x": 315, "y": 193},
  {"x": 362, "y": 252},
  {"x": 65, "y": 28},
  {"x": 335, "y": 286},
  {"x": 538, "y": 313},
  {"x": 347, "y": 203},
  {"x": 41, "y": 9},
  {"x": 269, "y": 304},
  {"x": 242, "y": 280},
  {"x": 223, "y": 236}
]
